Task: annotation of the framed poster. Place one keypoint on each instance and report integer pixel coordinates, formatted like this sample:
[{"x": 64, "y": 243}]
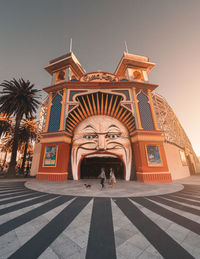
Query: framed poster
[
  {"x": 183, "y": 157},
  {"x": 153, "y": 155},
  {"x": 50, "y": 156}
]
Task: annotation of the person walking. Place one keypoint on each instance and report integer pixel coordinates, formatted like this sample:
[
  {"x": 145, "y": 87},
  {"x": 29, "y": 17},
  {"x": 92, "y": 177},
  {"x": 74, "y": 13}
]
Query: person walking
[
  {"x": 102, "y": 176},
  {"x": 112, "y": 177}
]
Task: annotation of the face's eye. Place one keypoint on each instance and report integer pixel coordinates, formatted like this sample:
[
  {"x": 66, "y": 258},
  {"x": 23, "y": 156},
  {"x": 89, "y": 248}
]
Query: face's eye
[
  {"x": 113, "y": 135},
  {"x": 90, "y": 136}
]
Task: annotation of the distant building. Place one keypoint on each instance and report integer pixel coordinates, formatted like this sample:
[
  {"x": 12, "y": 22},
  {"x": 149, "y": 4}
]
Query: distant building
[{"x": 99, "y": 119}]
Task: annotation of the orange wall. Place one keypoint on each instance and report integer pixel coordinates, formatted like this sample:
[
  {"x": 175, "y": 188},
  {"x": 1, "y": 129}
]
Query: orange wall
[
  {"x": 140, "y": 157},
  {"x": 62, "y": 158}
]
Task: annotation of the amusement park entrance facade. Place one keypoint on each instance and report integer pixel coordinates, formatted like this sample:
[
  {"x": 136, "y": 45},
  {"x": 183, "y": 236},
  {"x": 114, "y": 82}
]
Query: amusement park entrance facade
[{"x": 99, "y": 119}]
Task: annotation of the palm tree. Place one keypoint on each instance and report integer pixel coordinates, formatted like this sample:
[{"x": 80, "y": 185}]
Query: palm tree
[
  {"x": 5, "y": 125},
  {"x": 18, "y": 98},
  {"x": 28, "y": 133},
  {"x": 6, "y": 131},
  {"x": 6, "y": 146}
]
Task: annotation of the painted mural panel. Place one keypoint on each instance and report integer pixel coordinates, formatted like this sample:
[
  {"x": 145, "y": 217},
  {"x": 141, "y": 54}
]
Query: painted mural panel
[
  {"x": 153, "y": 155},
  {"x": 50, "y": 156}
]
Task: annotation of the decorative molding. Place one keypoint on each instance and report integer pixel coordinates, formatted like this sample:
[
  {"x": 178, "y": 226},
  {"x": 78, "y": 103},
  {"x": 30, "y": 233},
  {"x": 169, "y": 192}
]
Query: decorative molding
[
  {"x": 149, "y": 137},
  {"x": 101, "y": 85},
  {"x": 58, "y": 139}
]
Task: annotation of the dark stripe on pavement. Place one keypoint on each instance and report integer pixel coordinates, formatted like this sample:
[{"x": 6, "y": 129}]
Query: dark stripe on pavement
[
  {"x": 30, "y": 215},
  {"x": 27, "y": 204},
  {"x": 175, "y": 205},
  {"x": 101, "y": 242},
  {"x": 13, "y": 191},
  {"x": 11, "y": 188},
  {"x": 187, "y": 196},
  {"x": 22, "y": 198},
  {"x": 12, "y": 185},
  {"x": 16, "y": 194},
  {"x": 42, "y": 240},
  {"x": 190, "y": 192},
  {"x": 165, "y": 245},
  {"x": 171, "y": 197},
  {"x": 11, "y": 182},
  {"x": 191, "y": 186},
  {"x": 174, "y": 217}
]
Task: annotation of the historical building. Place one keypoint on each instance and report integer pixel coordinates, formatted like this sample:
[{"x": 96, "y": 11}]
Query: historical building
[{"x": 99, "y": 119}]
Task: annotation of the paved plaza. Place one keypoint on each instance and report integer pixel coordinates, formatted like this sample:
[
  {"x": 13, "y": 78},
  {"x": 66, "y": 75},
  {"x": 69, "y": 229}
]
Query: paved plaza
[{"x": 51, "y": 220}]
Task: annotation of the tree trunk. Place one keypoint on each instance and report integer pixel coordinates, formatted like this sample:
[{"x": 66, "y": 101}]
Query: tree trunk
[
  {"x": 12, "y": 165},
  {"x": 4, "y": 161},
  {"x": 24, "y": 157}
]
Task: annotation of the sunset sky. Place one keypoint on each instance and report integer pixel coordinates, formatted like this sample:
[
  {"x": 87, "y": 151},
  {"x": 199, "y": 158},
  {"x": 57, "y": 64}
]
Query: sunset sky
[{"x": 34, "y": 31}]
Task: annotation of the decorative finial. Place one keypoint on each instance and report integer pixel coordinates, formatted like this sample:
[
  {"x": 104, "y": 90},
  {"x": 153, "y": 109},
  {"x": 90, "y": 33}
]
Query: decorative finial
[
  {"x": 126, "y": 47},
  {"x": 70, "y": 47}
]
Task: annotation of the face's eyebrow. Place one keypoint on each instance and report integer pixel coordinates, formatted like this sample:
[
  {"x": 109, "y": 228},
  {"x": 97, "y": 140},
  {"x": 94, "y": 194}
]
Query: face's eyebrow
[
  {"x": 113, "y": 126},
  {"x": 89, "y": 127}
]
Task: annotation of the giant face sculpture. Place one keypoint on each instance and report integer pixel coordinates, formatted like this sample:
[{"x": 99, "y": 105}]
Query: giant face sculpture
[{"x": 101, "y": 136}]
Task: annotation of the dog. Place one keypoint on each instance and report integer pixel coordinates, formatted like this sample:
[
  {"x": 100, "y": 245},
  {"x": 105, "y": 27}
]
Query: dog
[{"x": 87, "y": 186}]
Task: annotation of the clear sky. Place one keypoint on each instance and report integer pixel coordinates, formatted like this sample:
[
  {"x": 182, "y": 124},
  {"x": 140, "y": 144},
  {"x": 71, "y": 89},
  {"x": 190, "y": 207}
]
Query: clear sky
[{"x": 34, "y": 31}]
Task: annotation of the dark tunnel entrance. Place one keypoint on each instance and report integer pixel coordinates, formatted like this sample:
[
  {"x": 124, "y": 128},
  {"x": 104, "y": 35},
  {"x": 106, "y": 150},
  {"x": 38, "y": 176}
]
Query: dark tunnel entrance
[{"x": 91, "y": 167}]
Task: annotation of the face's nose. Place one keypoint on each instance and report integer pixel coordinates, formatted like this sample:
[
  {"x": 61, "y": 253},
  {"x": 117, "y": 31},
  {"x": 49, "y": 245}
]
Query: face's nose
[{"x": 101, "y": 142}]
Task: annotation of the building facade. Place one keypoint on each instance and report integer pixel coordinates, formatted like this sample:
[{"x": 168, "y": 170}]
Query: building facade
[{"x": 99, "y": 119}]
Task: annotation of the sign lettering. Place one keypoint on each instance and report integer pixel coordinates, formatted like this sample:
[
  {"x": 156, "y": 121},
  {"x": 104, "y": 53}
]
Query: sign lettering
[{"x": 99, "y": 77}]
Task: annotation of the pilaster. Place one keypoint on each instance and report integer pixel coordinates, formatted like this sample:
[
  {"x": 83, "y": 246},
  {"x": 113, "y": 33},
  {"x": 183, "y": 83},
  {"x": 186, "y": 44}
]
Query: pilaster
[
  {"x": 137, "y": 109},
  {"x": 152, "y": 110},
  {"x": 48, "y": 112},
  {"x": 63, "y": 110}
]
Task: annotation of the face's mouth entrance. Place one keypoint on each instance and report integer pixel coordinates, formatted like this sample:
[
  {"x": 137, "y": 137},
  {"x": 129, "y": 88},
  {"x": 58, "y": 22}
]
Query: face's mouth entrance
[{"x": 91, "y": 166}]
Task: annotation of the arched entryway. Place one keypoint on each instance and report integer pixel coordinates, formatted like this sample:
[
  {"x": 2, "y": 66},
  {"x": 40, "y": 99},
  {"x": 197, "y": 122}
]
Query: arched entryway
[{"x": 91, "y": 167}]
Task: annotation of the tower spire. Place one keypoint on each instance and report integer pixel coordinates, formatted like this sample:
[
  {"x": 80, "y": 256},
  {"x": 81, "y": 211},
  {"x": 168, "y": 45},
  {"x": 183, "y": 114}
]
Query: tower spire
[{"x": 70, "y": 46}]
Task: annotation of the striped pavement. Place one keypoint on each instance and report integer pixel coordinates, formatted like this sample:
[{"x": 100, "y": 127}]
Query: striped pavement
[{"x": 35, "y": 224}]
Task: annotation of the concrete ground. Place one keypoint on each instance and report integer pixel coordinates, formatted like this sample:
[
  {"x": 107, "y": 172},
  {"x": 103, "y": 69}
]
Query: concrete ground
[
  {"x": 42, "y": 219},
  {"x": 121, "y": 189}
]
